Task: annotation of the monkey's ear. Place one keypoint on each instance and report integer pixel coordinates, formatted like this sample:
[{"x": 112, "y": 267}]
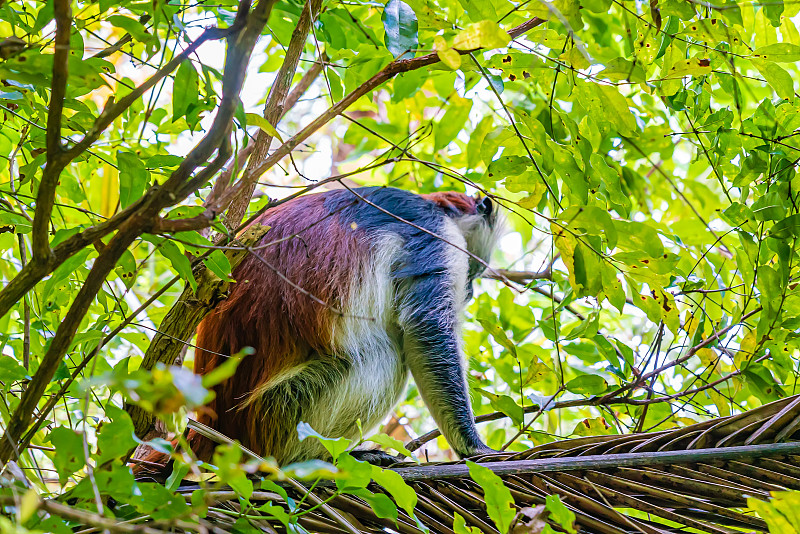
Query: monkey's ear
[{"x": 484, "y": 206}]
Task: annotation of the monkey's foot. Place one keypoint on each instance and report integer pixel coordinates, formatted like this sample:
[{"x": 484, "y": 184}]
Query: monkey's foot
[{"x": 375, "y": 457}]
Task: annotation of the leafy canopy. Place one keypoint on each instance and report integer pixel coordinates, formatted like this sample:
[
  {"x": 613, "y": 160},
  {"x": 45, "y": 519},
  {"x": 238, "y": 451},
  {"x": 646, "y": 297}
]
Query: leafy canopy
[{"x": 645, "y": 155}]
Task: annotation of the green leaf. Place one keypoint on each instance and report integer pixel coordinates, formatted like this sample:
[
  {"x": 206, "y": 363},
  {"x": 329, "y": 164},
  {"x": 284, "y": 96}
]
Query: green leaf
[
  {"x": 186, "y": 90},
  {"x": 261, "y": 122},
  {"x": 403, "y": 494},
  {"x": 389, "y": 442},
  {"x": 780, "y": 513},
  {"x": 334, "y": 446},
  {"x": 607, "y": 104},
  {"x": 176, "y": 257},
  {"x": 381, "y": 504},
  {"x": 786, "y": 228},
  {"x": 688, "y": 67},
  {"x": 460, "y": 526},
  {"x": 778, "y": 52},
  {"x": 506, "y": 166},
  {"x": 499, "y": 502},
  {"x": 218, "y": 263},
  {"x": 70, "y": 456},
  {"x": 133, "y": 178},
  {"x": 769, "y": 207},
  {"x": 400, "y": 24},
  {"x": 115, "y": 437},
  {"x": 11, "y": 371},
  {"x": 226, "y": 369},
  {"x": 634, "y": 236},
  {"x": 587, "y": 385},
  {"x": 559, "y": 513},
  {"x": 777, "y": 77},
  {"x": 499, "y": 336},
  {"x": 505, "y": 404},
  {"x": 452, "y": 122}
]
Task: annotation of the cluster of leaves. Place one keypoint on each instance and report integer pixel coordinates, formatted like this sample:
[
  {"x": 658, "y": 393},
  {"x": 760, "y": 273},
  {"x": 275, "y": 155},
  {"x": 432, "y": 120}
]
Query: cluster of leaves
[{"x": 646, "y": 161}]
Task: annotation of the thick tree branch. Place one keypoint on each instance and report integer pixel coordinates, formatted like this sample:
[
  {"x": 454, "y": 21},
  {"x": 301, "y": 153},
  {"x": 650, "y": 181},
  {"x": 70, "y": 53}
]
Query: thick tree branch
[
  {"x": 273, "y": 110},
  {"x": 45, "y": 196}
]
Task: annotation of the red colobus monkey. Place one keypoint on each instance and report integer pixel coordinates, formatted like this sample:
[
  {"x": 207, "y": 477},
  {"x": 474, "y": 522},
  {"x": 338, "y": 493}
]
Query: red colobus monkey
[{"x": 392, "y": 268}]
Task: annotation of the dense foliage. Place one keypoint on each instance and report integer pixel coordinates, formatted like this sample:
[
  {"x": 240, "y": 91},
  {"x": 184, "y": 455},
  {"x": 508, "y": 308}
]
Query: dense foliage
[{"x": 645, "y": 154}]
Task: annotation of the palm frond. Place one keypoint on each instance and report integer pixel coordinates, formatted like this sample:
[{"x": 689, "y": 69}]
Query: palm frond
[{"x": 692, "y": 479}]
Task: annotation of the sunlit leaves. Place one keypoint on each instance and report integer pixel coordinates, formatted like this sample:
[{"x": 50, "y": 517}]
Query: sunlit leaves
[{"x": 483, "y": 34}]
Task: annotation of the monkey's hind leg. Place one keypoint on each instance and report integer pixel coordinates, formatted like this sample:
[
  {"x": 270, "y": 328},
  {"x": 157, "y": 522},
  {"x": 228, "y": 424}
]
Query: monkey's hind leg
[{"x": 277, "y": 410}]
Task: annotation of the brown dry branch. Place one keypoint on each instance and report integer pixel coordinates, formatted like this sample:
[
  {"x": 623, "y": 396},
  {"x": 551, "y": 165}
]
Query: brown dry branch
[{"x": 178, "y": 186}]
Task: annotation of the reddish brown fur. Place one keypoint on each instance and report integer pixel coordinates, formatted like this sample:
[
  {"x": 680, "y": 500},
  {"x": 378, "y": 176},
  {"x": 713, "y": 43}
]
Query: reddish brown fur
[
  {"x": 450, "y": 200},
  {"x": 302, "y": 233}
]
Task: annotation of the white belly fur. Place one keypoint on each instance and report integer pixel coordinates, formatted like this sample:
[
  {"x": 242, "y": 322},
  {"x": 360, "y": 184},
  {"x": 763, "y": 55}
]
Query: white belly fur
[{"x": 369, "y": 337}]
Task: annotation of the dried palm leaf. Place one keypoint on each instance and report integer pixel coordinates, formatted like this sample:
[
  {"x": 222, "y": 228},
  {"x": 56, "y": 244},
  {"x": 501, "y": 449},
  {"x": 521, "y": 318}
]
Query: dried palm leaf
[{"x": 696, "y": 479}]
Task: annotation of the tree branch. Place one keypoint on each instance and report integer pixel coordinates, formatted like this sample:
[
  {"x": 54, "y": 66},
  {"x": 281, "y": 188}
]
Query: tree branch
[
  {"x": 273, "y": 110},
  {"x": 391, "y": 70},
  {"x": 45, "y": 196}
]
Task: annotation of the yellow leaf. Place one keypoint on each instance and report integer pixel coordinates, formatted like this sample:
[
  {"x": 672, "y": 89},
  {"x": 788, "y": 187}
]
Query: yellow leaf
[
  {"x": 689, "y": 67},
  {"x": 747, "y": 349},
  {"x": 722, "y": 404},
  {"x": 707, "y": 357},
  {"x": 483, "y": 34},
  {"x": 28, "y": 505},
  {"x": 109, "y": 191},
  {"x": 449, "y": 57},
  {"x": 593, "y": 427},
  {"x": 576, "y": 58},
  {"x": 264, "y": 124}
]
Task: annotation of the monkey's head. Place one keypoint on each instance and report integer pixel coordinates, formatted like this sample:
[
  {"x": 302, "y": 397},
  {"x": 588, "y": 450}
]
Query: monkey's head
[{"x": 478, "y": 219}]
